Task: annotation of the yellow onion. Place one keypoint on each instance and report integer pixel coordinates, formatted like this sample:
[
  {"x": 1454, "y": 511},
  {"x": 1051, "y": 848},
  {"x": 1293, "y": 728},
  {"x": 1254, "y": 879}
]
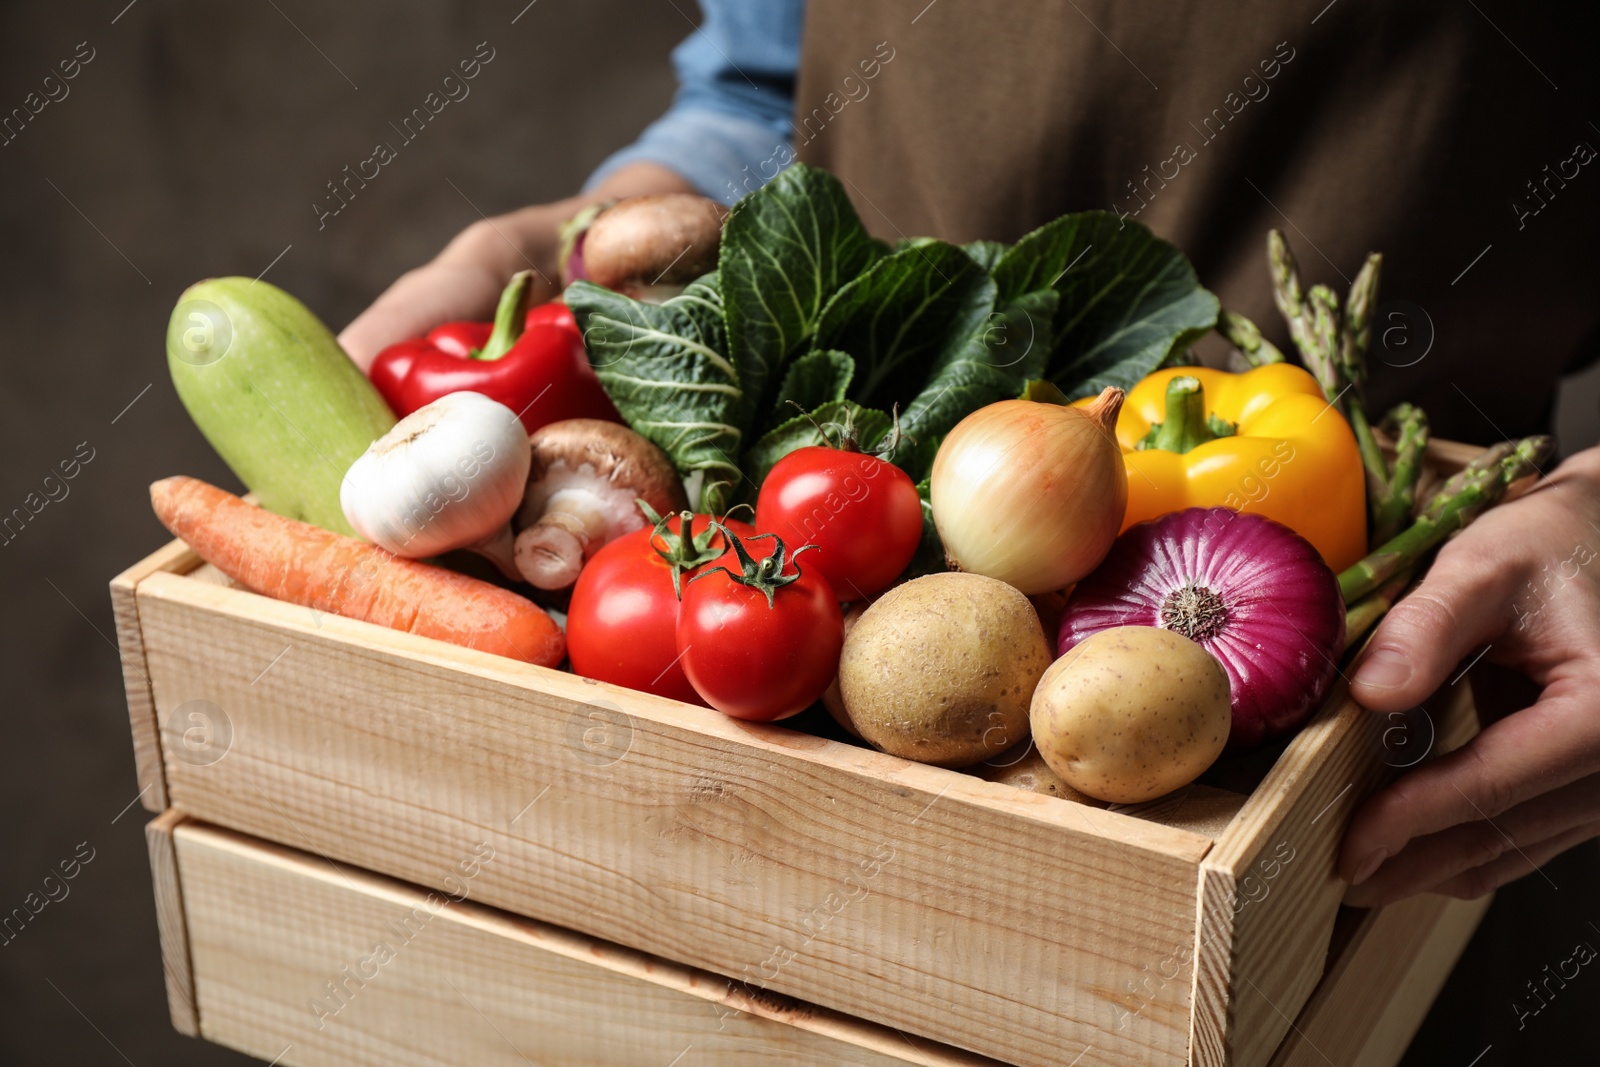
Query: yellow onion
[{"x": 1031, "y": 493}]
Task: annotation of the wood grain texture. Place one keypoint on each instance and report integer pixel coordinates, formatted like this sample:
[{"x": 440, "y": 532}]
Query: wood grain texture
[
  {"x": 172, "y": 922},
  {"x": 172, "y": 558},
  {"x": 1391, "y": 967},
  {"x": 1269, "y": 895},
  {"x": 1202, "y": 809},
  {"x": 1007, "y": 923},
  {"x": 318, "y": 966}
]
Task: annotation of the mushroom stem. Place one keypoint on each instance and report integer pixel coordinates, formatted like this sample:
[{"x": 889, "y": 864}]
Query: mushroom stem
[
  {"x": 497, "y": 549},
  {"x": 551, "y": 552}
]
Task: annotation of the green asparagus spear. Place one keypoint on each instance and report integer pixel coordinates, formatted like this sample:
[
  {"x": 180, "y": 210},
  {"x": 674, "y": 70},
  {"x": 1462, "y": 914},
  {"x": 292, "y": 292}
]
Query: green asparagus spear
[
  {"x": 1364, "y": 614},
  {"x": 1291, "y": 300},
  {"x": 1246, "y": 337},
  {"x": 1325, "y": 323},
  {"x": 1408, "y": 424},
  {"x": 1479, "y": 485},
  {"x": 1356, "y": 335}
]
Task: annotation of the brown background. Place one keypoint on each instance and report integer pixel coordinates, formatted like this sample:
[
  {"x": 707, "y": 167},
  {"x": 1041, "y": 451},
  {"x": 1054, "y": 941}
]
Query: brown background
[{"x": 194, "y": 144}]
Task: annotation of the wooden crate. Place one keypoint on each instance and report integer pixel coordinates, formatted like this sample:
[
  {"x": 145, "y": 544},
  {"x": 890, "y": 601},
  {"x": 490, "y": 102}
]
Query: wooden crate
[
  {"x": 275, "y": 952},
  {"x": 1017, "y": 926}
]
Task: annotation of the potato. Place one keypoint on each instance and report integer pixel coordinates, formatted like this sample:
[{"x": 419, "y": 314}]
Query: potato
[
  {"x": 832, "y": 698},
  {"x": 1132, "y": 713},
  {"x": 940, "y": 670}
]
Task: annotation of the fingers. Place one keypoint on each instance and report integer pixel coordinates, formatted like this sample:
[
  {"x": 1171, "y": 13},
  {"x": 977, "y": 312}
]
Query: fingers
[
  {"x": 1463, "y": 602},
  {"x": 1482, "y": 844},
  {"x": 1472, "y": 884},
  {"x": 416, "y": 303},
  {"x": 1526, "y": 754}
]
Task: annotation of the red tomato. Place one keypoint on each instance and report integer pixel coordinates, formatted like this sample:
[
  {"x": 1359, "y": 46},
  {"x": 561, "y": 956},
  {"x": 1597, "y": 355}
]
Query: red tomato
[
  {"x": 753, "y": 661},
  {"x": 861, "y": 512},
  {"x": 621, "y": 623}
]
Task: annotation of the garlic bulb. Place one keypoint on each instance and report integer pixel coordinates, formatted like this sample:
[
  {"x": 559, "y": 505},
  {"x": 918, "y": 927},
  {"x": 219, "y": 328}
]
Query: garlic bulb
[{"x": 449, "y": 475}]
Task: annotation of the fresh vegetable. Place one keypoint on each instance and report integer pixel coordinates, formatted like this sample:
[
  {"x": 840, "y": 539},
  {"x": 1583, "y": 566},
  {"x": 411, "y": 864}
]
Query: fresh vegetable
[
  {"x": 940, "y": 670},
  {"x": 1478, "y": 486},
  {"x": 1248, "y": 590},
  {"x": 664, "y": 366},
  {"x": 533, "y": 362},
  {"x": 1334, "y": 346},
  {"x": 583, "y": 490},
  {"x": 1131, "y": 713},
  {"x": 832, "y": 697},
  {"x": 861, "y": 512},
  {"x": 270, "y": 388},
  {"x": 758, "y": 636},
  {"x": 1263, "y": 442},
  {"x": 448, "y": 476},
  {"x": 1031, "y": 493},
  {"x": 623, "y": 618},
  {"x": 807, "y": 309},
  {"x": 303, "y": 564},
  {"x": 648, "y": 247},
  {"x": 1407, "y": 426},
  {"x": 1246, "y": 337}
]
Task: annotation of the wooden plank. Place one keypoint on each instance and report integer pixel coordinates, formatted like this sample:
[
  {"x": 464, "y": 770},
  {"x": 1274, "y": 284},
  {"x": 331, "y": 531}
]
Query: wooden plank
[
  {"x": 1269, "y": 893},
  {"x": 171, "y": 921},
  {"x": 299, "y": 963},
  {"x": 1202, "y": 809},
  {"x": 1392, "y": 967},
  {"x": 173, "y": 558},
  {"x": 1005, "y": 922}
]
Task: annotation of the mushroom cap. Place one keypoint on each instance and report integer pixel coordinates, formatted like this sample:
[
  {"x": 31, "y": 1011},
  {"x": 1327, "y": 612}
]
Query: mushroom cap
[
  {"x": 607, "y": 459},
  {"x": 660, "y": 239}
]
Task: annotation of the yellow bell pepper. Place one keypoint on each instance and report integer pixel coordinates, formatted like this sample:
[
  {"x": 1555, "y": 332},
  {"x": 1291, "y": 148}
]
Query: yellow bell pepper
[{"x": 1288, "y": 454}]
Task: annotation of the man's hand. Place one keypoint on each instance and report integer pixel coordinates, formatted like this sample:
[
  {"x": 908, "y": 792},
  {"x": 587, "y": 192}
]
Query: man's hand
[
  {"x": 464, "y": 281},
  {"x": 1524, "y": 580}
]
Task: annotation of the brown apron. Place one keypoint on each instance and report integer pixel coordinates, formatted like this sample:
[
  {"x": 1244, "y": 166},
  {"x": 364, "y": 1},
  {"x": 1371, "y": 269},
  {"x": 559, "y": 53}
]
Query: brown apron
[{"x": 1463, "y": 153}]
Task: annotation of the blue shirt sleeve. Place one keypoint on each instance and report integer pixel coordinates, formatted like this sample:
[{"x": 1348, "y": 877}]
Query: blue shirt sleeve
[{"x": 732, "y": 111}]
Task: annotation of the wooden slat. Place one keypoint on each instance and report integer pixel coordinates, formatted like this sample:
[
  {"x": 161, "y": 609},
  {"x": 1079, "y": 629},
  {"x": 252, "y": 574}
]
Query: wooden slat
[
  {"x": 458, "y": 983},
  {"x": 1203, "y": 809},
  {"x": 1008, "y": 923},
  {"x": 1391, "y": 968},
  {"x": 173, "y": 558},
  {"x": 172, "y": 922},
  {"x": 1269, "y": 894}
]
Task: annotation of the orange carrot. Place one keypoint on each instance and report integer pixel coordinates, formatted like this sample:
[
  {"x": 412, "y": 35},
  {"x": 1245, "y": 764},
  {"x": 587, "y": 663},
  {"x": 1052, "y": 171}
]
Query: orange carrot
[{"x": 306, "y": 565}]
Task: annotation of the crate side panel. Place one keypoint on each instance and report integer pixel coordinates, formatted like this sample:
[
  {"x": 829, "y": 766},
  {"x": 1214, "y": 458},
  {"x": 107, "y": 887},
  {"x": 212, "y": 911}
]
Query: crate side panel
[
  {"x": 173, "y": 557},
  {"x": 1273, "y": 874},
  {"x": 294, "y": 960},
  {"x": 171, "y": 922},
  {"x": 1010, "y": 924}
]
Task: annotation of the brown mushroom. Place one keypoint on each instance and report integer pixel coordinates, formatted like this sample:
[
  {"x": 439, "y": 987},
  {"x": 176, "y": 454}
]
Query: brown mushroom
[
  {"x": 583, "y": 487},
  {"x": 651, "y": 246}
]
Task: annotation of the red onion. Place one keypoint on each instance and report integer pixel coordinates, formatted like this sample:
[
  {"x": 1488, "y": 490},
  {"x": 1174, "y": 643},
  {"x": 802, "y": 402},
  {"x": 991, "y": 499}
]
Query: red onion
[{"x": 1251, "y": 591}]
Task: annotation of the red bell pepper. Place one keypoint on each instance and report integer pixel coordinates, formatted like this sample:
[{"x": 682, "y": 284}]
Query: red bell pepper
[{"x": 531, "y": 361}]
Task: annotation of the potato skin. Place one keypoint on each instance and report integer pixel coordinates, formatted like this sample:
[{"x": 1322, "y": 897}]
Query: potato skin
[
  {"x": 1132, "y": 713},
  {"x": 941, "y": 669}
]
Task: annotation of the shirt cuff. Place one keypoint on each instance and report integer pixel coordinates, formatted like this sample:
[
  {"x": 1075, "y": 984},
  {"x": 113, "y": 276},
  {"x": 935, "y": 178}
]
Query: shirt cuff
[{"x": 724, "y": 156}]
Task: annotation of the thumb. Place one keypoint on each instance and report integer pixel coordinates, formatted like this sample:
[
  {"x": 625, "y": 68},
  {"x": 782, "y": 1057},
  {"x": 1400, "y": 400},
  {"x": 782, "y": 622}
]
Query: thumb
[{"x": 1461, "y": 604}]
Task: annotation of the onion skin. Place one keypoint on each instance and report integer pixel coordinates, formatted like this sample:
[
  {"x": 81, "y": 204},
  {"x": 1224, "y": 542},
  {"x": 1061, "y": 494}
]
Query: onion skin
[
  {"x": 1031, "y": 493},
  {"x": 1281, "y": 631}
]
